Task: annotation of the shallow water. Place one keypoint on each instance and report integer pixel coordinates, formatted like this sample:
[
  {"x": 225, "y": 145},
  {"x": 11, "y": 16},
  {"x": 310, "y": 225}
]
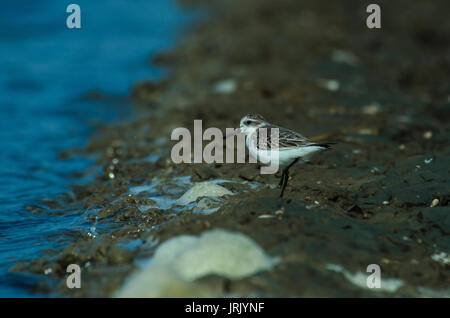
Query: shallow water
[{"x": 46, "y": 69}]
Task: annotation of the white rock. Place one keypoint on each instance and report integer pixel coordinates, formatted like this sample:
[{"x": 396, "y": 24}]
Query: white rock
[
  {"x": 266, "y": 216},
  {"x": 330, "y": 84},
  {"x": 441, "y": 257},
  {"x": 203, "y": 189},
  {"x": 220, "y": 252},
  {"x": 434, "y": 203},
  {"x": 178, "y": 262},
  {"x": 227, "y": 86},
  {"x": 371, "y": 109},
  {"x": 428, "y": 134}
]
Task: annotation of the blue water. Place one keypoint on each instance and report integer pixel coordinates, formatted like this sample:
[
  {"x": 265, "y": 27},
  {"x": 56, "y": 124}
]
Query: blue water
[{"x": 46, "y": 68}]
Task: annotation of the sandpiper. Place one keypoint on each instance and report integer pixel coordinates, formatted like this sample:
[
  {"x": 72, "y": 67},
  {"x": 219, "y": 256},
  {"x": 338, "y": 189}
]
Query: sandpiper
[{"x": 291, "y": 146}]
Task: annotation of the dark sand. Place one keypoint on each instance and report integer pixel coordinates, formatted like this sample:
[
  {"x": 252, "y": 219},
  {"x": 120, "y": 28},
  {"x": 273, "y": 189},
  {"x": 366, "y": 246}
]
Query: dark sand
[{"x": 366, "y": 201}]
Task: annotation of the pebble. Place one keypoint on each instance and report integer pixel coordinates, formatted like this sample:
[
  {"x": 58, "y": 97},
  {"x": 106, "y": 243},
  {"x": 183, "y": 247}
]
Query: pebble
[
  {"x": 371, "y": 109},
  {"x": 368, "y": 131},
  {"x": 280, "y": 211},
  {"x": 227, "y": 86},
  {"x": 434, "y": 203},
  {"x": 428, "y": 134},
  {"x": 332, "y": 85},
  {"x": 266, "y": 216},
  {"x": 441, "y": 257}
]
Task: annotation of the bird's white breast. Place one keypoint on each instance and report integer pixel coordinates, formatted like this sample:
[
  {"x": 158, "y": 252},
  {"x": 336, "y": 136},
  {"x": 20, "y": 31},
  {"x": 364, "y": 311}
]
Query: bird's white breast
[{"x": 285, "y": 155}]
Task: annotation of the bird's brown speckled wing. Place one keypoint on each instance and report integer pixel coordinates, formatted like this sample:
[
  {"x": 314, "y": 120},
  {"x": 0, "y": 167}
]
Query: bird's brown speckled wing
[{"x": 286, "y": 139}]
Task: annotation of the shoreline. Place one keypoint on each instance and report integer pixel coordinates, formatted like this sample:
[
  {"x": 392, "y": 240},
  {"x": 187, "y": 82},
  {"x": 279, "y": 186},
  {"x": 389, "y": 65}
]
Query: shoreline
[{"x": 366, "y": 202}]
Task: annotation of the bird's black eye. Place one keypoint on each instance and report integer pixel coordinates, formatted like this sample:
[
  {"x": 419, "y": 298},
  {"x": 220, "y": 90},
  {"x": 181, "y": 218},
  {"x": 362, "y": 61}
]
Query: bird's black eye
[{"x": 248, "y": 122}]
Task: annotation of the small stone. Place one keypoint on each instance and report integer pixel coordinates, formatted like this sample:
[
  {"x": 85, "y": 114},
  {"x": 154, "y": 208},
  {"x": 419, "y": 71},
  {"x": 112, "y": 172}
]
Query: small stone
[
  {"x": 330, "y": 84},
  {"x": 441, "y": 257},
  {"x": 385, "y": 202},
  {"x": 265, "y": 216},
  {"x": 280, "y": 211},
  {"x": 227, "y": 86},
  {"x": 434, "y": 203},
  {"x": 371, "y": 109},
  {"x": 428, "y": 134},
  {"x": 368, "y": 131},
  {"x": 180, "y": 261},
  {"x": 375, "y": 170}
]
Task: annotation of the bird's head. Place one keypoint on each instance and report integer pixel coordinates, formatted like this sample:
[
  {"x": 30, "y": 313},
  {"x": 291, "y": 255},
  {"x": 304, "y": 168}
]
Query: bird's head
[{"x": 249, "y": 123}]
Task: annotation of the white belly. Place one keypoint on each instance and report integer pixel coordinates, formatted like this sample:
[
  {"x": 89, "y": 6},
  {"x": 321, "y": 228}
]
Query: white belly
[{"x": 284, "y": 156}]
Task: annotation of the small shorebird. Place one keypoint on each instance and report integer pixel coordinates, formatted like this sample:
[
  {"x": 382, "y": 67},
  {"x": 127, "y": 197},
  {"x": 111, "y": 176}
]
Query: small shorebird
[{"x": 292, "y": 147}]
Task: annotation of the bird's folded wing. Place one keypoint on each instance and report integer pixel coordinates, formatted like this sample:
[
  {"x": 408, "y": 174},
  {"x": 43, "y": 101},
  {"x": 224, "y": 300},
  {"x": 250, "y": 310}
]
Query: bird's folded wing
[{"x": 285, "y": 139}]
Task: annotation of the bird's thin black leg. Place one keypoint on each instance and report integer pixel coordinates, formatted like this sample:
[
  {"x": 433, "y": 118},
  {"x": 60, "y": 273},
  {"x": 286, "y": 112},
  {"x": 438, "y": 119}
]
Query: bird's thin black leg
[
  {"x": 285, "y": 181},
  {"x": 286, "y": 176},
  {"x": 281, "y": 179}
]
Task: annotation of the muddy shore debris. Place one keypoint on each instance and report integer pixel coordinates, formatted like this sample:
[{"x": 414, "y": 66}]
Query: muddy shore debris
[{"x": 380, "y": 197}]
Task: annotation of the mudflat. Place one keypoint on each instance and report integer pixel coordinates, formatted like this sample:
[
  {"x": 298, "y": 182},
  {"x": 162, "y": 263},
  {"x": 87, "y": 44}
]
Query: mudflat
[{"x": 380, "y": 196}]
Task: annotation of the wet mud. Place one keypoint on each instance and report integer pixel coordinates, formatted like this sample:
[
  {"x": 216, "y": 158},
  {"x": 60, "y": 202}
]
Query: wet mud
[{"x": 380, "y": 196}]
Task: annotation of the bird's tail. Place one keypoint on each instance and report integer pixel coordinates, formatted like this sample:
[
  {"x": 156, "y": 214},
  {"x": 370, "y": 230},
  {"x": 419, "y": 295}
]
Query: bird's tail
[{"x": 324, "y": 145}]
